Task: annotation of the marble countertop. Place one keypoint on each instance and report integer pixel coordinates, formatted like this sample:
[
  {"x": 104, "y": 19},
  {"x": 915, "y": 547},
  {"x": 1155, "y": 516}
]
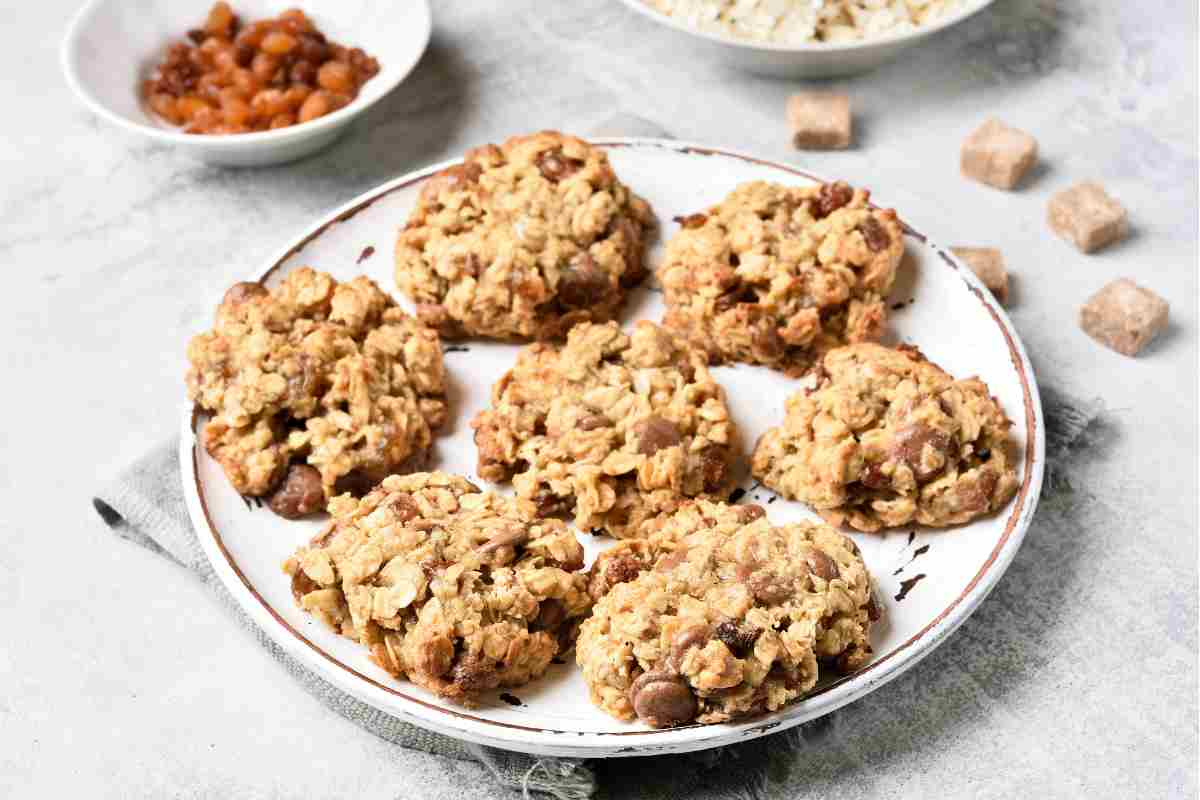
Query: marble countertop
[{"x": 120, "y": 676}]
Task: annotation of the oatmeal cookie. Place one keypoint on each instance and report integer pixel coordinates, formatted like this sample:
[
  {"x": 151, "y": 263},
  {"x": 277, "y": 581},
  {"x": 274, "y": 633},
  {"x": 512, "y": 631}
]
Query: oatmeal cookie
[
  {"x": 523, "y": 241},
  {"x": 316, "y": 387},
  {"x": 617, "y": 426},
  {"x": 452, "y": 588},
  {"x": 887, "y": 438},
  {"x": 728, "y": 616},
  {"x": 778, "y": 275}
]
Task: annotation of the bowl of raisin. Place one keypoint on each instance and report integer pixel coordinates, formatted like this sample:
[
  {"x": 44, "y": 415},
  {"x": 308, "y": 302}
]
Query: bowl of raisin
[{"x": 243, "y": 82}]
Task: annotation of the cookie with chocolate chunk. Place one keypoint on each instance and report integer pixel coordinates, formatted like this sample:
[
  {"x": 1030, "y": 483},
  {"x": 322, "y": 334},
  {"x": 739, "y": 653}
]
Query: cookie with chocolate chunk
[
  {"x": 613, "y": 427},
  {"x": 523, "y": 240},
  {"x": 452, "y": 588},
  {"x": 887, "y": 438},
  {"x": 726, "y": 616},
  {"x": 778, "y": 275},
  {"x": 316, "y": 387}
]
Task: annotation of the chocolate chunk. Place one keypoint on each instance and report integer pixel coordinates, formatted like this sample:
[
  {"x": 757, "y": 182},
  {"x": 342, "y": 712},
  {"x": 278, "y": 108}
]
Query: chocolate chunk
[
  {"x": 875, "y": 234},
  {"x": 243, "y": 291},
  {"x": 686, "y": 639},
  {"x": 830, "y": 198},
  {"x": 909, "y": 447},
  {"x": 473, "y": 674},
  {"x": 555, "y": 166},
  {"x": 821, "y": 564},
  {"x": 356, "y": 482},
  {"x": 767, "y": 587},
  {"x": 302, "y": 585},
  {"x": 301, "y": 493},
  {"x": 873, "y": 477},
  {"x": 655, "y": 433},
  {"x": 582, "y": 283},
  {"x": 662, "y": 700},
  {"x": 451, "y": 178},
  {"x": 715, "y": 463}
]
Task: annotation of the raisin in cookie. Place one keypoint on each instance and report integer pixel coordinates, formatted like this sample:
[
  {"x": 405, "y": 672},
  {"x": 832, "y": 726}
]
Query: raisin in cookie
[
  {"x": 726, "y": 616},
  {"x": 617, "y": 426},
  {"x": 777, "y": 275},
  {"x": 523, "y": 240},
  {"x": 887, "y": 438},
  {"x": 449, "y": 587},
  {"x": 316, "y": 387}
]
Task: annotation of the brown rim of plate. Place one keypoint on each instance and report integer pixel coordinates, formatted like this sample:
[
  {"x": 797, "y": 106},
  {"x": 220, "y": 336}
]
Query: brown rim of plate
[{"x": 1018, "y": 505}]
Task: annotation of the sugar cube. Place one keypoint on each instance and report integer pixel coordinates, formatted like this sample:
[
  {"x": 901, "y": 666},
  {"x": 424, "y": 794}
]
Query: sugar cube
[
  {"x": 1124, "y": 316},
  {"x": 819, "y": 120}
]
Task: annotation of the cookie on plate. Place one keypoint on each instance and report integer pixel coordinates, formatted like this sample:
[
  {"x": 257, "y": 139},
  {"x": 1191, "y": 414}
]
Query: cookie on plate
[
  {"x": 615, "y": 426},
  {"x": 523, "y": 241},
  {"x": 887, "y": 438},
  {"x": 777, "y": 275},
  {"x": 725, "y": 616},
  {"x": 316, "y": 387},
  {"x": 449, "y": 587}
]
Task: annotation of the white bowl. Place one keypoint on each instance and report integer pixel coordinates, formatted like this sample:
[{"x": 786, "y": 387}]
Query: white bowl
[
  {"x": 113, "y": 45},
  {"x": 816, "y": 60}
]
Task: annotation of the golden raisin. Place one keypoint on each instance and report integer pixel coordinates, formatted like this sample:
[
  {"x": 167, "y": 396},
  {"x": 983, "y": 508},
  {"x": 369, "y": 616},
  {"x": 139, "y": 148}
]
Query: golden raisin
[
  {"x": 268, "y": 103},
  {"x": 264, "y": 66},
  {"x": 278, "y": 43},
  {"x": 282, "y": 121},
  {"x": 220, "y": 20},
  {"x": 335, "y": 76},
  {"x": 317, "y": 105}
]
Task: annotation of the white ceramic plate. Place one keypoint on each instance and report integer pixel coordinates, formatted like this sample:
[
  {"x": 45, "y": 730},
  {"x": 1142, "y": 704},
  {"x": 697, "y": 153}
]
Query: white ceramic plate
[
  {"x": 111, "y": 46},
  {"x": 813, "y": 60},
  {"x": 947, "y": 572}
]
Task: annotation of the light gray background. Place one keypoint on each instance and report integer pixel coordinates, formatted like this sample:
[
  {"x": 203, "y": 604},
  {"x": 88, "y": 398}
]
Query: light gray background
[{"x": 120, "y": 676}]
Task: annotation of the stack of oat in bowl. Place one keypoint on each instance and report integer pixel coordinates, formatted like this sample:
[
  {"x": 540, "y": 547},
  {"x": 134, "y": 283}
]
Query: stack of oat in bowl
[{"x": 328, "y": 396}]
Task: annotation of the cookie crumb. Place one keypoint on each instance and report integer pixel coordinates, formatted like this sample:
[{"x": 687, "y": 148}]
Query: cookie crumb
[
  {"x": 1124, "y": 317},
  {"x": 988, "y": 265},
  {"x": 1087, "y": 216},
  {"x": 907, "y": 585},
  {"x": 998, "y": 155},
  {"x": 820, "y": 120},
  {"x": 511, "y": 699}
]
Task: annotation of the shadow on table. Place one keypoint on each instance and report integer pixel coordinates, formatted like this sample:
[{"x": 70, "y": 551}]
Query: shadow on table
[{"x": 1001, "y": 647}]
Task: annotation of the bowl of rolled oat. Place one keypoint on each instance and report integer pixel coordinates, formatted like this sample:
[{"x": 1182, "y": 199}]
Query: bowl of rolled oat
[{"x": 806, "y": 38}]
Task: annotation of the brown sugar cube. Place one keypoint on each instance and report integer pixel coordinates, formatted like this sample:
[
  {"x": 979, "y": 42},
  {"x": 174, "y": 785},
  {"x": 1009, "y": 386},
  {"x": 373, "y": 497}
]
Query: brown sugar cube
[
  {"x": 819, "y": 120},
  {"x": 998, "y": 155},
  {"x": 1086, "y": 216},
  {"x": 988, "y": 264},
  {"x": 1124, "y": 316}
]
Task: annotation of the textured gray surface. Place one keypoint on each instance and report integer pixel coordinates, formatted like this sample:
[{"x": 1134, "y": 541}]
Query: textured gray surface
[{"x": 1078, "y": 676}]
